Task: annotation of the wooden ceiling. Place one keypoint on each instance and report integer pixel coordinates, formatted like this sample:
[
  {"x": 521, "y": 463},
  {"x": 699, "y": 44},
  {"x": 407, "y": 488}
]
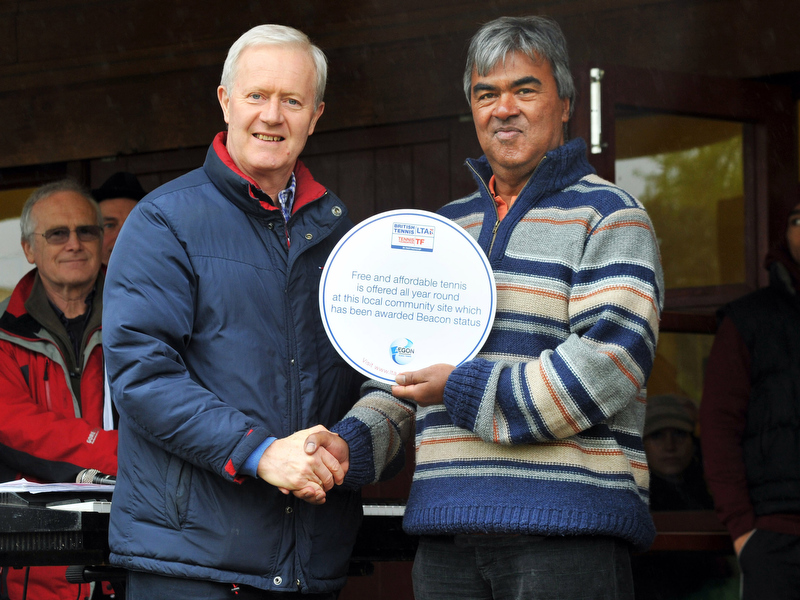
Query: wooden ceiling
[{"x": 92, "y": 78}]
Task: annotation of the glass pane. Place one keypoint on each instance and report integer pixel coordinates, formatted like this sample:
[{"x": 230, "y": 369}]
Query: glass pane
[
  {"x": 688, "y": 172},
  {"x": 680, "y": 364},
  {"x": 12, "y": 260}
]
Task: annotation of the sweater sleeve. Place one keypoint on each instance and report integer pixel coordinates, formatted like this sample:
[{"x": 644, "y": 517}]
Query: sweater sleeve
[
  {"x": 598, "y": 326},
  {"x": 376, "y": 430},
  {"x": 723, "y": 416}
]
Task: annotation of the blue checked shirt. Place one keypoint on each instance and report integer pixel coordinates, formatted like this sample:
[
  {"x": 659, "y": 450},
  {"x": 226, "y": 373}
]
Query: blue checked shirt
[{"x": 286, "y": 198}]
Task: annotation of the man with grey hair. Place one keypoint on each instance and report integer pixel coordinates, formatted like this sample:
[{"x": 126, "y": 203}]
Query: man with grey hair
[
  {"x": 51, "y": 359},
  {"x": 217, "y": 358},
  {"x": 531, "y": 478}
]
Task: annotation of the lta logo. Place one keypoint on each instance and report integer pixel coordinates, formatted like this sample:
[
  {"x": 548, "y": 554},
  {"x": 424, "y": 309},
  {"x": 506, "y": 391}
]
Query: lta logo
[{"x": 402, "y": 351}]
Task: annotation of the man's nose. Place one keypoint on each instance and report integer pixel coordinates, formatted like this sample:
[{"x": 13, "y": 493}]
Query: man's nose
[
  {"x": 506, "y": 106},
  {"x": 271, "y": 112},
  {"x": 73, "y": 242}
]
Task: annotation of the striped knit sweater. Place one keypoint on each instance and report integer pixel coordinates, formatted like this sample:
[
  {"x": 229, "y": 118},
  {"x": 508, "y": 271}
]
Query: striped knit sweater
[{"x": 541, "y": 433}]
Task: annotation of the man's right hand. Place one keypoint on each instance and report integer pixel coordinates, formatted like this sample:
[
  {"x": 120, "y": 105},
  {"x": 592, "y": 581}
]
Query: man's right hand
[
  {"x": 288, "y": 466},
  {"x": 425, "y": 387},
  {"x": 740, "y": 541}
]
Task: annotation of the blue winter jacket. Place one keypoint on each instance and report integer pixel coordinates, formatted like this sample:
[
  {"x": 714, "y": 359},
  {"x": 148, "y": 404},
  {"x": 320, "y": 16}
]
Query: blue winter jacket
[{"x": 214, "y": 342}]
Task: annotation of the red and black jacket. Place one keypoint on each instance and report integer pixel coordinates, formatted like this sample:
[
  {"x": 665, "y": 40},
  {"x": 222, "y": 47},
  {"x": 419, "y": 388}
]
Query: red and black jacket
[{"x": 47, "y": 431}]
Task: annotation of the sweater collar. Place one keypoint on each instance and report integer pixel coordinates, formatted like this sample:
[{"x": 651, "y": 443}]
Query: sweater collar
[{"x": 560, "y": 168}]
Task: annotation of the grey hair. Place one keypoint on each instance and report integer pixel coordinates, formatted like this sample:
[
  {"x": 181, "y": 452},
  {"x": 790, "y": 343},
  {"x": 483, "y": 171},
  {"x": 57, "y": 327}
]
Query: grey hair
[
  {"x": 27, "y": 223},
  {"x": 275, "y": 35},
  {"x": 536, "y": 37}
]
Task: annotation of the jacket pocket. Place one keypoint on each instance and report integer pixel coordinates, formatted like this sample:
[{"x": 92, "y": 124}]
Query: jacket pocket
[{"x": 178, "y": 484}]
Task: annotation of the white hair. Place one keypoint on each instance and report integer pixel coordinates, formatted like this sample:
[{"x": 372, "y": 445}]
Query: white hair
[
  {"x": 275, "y": 35},
  {"x": 27, "y": 224}
]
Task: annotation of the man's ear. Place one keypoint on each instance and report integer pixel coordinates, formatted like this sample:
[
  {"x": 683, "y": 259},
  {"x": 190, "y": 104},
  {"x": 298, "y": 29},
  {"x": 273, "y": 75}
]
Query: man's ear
[
  {"x": 27, "y": 248},
  {"x": 224, "y": 100},
  {"x": 315, "y": 118},
  {"x": 565, "y": 112}
]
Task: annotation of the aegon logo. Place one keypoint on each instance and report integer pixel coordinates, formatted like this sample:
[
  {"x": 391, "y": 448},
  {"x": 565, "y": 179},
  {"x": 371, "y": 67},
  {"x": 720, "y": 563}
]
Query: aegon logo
[{"x": 402, "y": 351}]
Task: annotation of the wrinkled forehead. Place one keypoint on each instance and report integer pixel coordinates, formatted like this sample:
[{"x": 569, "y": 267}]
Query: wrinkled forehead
[
  {"x": 289, "y": 60},
  {"x": 64, "y": 209}
]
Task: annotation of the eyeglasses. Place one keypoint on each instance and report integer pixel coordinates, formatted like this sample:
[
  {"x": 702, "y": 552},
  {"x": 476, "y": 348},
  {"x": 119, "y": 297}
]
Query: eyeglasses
[{"x": 60, "y": 235}]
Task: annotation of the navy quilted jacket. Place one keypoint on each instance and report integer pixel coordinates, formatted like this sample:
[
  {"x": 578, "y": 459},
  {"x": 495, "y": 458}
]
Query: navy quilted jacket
[{"x": 214, "y": 342}]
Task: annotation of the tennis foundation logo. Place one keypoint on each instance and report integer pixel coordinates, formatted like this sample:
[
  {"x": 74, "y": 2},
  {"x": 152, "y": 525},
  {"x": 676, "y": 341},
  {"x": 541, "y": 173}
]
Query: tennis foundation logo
[
  {"x": 410, "y": 236},
  {"x": 402, "y": 351}
]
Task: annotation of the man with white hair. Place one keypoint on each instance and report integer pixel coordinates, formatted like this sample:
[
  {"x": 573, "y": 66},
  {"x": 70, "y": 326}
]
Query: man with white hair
[
  {"x": 217, "y": 358},
  {"x": 51, "y": 360}
]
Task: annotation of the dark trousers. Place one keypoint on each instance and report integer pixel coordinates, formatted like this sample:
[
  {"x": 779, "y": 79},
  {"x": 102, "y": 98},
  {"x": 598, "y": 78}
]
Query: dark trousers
[
  {"x": 770, "y": 565},
  {"x": 520, "y": 567},
  {"x": 147, "y": 586}
]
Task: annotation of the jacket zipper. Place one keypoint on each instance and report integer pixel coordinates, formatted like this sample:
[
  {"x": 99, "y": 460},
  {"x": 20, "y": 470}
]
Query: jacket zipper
[
  {"x": 295, "y": 401},
  {"x": 494, "y": 204},
  {"x": 63, "y": 364},
  {"x": 293, "y": 366},
  {"x": 47, "y": 384}
]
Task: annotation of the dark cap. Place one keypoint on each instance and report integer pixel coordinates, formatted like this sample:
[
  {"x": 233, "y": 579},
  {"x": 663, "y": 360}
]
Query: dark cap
[
  {"x": 120, "y": 185},
  {"x": 669, "y": 411}
]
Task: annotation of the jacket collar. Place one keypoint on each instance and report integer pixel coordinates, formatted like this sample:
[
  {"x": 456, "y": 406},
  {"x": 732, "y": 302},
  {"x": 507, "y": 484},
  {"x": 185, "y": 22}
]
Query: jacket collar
[
  {"x": 28, "y": 309},
  {"x": 244, "y": 192},
  {"x": 21, "y": 293}
]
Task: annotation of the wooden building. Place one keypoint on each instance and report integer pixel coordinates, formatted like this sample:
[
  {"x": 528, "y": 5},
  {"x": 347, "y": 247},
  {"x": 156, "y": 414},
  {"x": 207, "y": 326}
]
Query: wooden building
[{"x": 90, "y": 87}]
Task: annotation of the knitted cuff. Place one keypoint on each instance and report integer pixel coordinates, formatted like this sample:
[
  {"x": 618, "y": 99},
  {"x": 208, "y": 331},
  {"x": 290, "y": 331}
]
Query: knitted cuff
[
  {"x": 359, "y": 438},
  {"x": 464, "y": 392}
]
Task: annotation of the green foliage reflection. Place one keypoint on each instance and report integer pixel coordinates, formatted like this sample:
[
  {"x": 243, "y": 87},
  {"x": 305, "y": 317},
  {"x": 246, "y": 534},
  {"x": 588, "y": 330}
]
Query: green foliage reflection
[{"x": 695, "y": 198}]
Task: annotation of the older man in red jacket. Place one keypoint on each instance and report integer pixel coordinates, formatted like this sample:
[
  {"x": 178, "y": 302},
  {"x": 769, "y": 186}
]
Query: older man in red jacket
[{"x": 51, "y": 361}]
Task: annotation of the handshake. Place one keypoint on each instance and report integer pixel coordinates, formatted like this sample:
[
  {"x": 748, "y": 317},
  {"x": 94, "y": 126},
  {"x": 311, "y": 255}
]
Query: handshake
[
  {"x": 310, "y": 462},
  {"x": 307, "y": 464}
]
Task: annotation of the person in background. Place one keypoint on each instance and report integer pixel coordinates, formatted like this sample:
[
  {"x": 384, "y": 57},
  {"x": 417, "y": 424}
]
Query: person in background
[
  {"x": 531, "y": 478},
  {"x": 676, "y": 470},
  {"x": 750, "y": 423},
  {"x": 117, "y": 197},
  {"x": 51, "y": 361},
  {"x": 677, "y": 483},
  {"x": 218, "y": 360}
]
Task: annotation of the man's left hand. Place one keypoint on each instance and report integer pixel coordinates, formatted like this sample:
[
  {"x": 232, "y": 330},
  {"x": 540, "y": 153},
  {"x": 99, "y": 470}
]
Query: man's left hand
[{"x": 425, "y": 387}]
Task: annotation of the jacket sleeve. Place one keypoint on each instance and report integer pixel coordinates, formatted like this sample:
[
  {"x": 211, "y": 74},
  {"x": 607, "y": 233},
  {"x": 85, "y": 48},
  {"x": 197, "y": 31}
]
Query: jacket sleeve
[
  {"x": 723, "y": 418},
  {"x": 149, "y": 313},
  {"x": 613, "y": 305},
  {"x": 44, "y": 444}
]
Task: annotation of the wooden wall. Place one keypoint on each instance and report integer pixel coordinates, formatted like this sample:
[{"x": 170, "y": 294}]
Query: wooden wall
[{"x": 90, "y": 78}]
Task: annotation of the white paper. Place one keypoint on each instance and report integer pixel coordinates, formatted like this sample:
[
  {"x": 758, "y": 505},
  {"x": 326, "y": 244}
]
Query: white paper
[{"x": 22, "y": 485}]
